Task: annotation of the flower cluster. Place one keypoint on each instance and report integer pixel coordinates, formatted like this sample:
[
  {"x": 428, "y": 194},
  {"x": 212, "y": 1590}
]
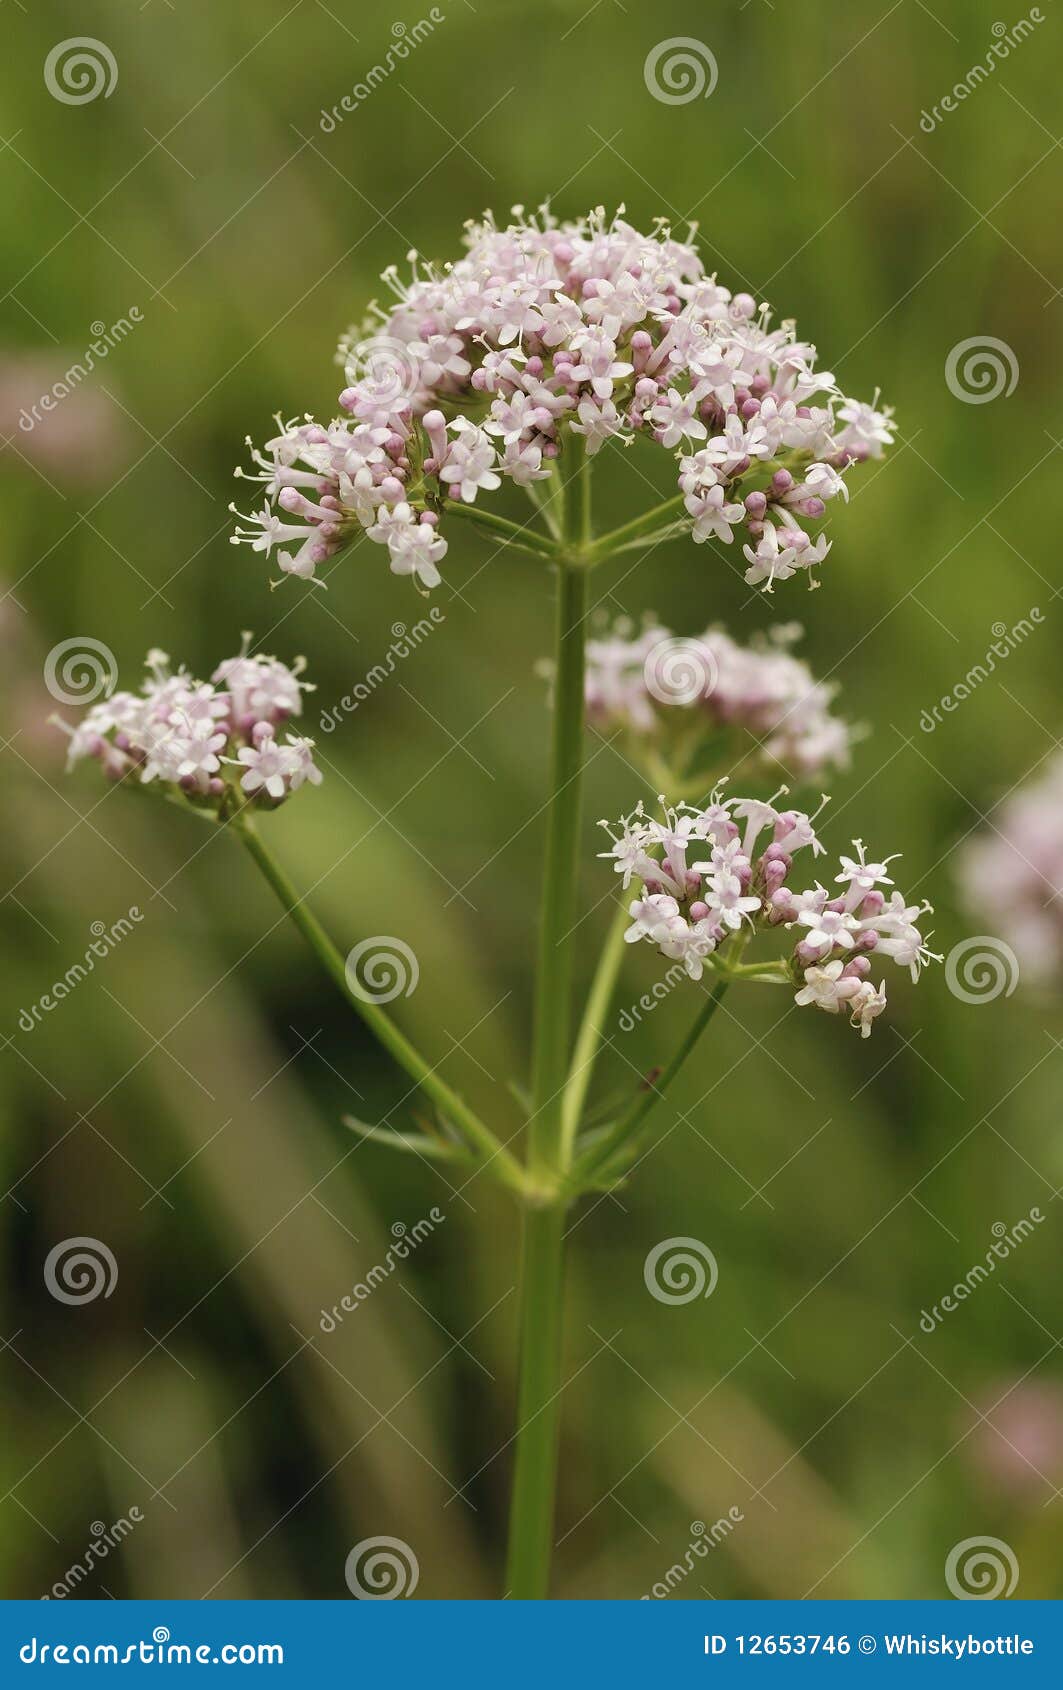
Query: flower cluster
[
  {"x": 186, "y": 733},
  {"x": 736, "y": 883},
  {"x": 679, "y": 694},
  {"x": 486, "y": 368},
  {"x": 1013, "y": 877}
]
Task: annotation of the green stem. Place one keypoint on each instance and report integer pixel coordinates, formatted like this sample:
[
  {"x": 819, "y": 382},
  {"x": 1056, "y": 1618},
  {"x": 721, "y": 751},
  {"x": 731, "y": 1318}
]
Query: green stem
[
  {"x": 514, "y": 533},
  {"x": 538, "y": 1403},
  {"x": 637, "y": 527},
  {"x": 588, "y": 1042},
  {"x": 629, "y": 1123},
  {"x": 479, "y": 1136},
  {"x": 541, "y": 1293},
  {"x": 553, "y": 998}
]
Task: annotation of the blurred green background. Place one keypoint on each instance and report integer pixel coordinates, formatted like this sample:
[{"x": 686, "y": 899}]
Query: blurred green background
[{"x": 184, "y": 1104}]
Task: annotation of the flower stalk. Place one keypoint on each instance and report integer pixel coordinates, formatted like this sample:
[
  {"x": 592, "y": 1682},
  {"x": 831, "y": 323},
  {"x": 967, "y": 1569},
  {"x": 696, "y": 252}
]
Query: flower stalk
[
  {"x": 609, "y": 1146},
  {"x": 488, "y": 1149},
  {"x": 589, "y": 1040}
]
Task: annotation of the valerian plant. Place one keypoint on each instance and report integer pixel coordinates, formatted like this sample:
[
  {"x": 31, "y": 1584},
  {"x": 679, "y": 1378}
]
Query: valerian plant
[{"x": 544, "y": 344}]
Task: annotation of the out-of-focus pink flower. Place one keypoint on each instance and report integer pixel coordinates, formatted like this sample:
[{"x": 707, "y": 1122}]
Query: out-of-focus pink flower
[
  {"x": 1020, "y": 1444},
  {"x": 69, "y": 431},
  {"x": 1013, "y": 876}
]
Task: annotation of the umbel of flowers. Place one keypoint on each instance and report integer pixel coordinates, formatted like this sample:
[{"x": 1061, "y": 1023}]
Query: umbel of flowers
[
  {"x": 479, "y": 369},
  {"x": 715, "y": 877},
  {"x": 683, "y": 702},
  {"x": 211, "y": 742}
]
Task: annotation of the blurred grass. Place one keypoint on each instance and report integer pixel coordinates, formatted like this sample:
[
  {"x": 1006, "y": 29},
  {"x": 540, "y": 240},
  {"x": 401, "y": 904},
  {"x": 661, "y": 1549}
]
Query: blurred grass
[{"x": 248, "y": 239}]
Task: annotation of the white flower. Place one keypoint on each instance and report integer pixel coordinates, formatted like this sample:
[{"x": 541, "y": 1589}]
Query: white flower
[
  {"x": 440, "y": 355},
  {"x": 867, "y": 430},
  {"x": 524, "y": 464},
  {"x": 516, "y": 312},
  {"x": 198, "y": 754},
  {"x": 829, "y": 928},
  {"x": 770, "y": 561},
  {"x": 514, "y": 417},
  {"x": 261, "y": 688},
  {"x": 828, "y": 988},
  {"x": 906, "y": 946},
  {"x": 825, "y": 482},
  {"x": 265, "y": 768},
  {"x": 724, "y": 895},
  {"x": 860, "y": 875},
  {"x": 598, "y": 364},
  {"x": 865, "y": 1005},
  {"x": 713, "y": 515},
  {"x": 598, "y": 422},
  {"x": 471, "y": 465},
  {"x": 392, "y": 524},
  {"x": 629, "y": 853},
  {"x": 737, "y": 442},
  {"x": 299, "y": 755},
  {"x": 162, "y": 749},
  {"x": 267, "y": 531},
  {"x": 654, "y": 917},
  {"x": 676, "y": 417},
  {"x": 416, "y": 550}
]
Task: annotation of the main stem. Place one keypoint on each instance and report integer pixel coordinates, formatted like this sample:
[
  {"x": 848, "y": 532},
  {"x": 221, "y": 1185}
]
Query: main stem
[
  {"x": 542, "y": 1248},
  {"x": 557, "y": 921},
  {"x": 531, "y": 1517}
]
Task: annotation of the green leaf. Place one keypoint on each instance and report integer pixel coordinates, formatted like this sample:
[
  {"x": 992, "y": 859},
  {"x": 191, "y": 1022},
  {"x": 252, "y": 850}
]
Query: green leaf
[{"x": 414, "y": 1144}]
